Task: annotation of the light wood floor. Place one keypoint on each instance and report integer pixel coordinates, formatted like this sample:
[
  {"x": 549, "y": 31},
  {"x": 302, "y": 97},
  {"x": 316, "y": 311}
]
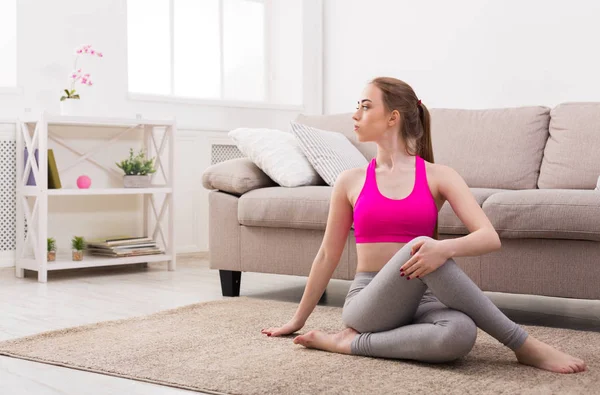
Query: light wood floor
[{"x": 85, "y": 296}]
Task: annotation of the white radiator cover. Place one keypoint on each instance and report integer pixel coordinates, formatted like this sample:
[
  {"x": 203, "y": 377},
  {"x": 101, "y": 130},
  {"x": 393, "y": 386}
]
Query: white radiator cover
[
  {"x": 7, "y": 195},
  {"x": 8, "y": 175}
]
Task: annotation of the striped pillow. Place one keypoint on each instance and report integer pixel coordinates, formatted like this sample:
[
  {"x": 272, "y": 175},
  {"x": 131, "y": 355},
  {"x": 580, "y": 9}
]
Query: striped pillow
[{"x": 329, "y": 153}]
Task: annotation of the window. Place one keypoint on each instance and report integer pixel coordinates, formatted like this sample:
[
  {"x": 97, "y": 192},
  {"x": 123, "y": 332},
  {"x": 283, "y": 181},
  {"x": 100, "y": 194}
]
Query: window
[
  {"x": 8, "y": 43},
  {"x": 213, "y": 49}
]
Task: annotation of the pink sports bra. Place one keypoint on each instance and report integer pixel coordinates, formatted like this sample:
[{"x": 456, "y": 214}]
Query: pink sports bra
[{"x": 378, "y": 219}]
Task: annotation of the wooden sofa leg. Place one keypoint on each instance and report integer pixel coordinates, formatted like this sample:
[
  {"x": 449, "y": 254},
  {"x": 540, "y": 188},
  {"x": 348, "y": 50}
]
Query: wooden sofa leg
[{"x": 230, "y": 282}]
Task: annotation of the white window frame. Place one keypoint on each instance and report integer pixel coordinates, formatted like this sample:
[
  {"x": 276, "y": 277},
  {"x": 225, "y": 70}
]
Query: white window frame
[
  {"x": 14, "y": 89},
  {"x": 221, "y": 102}
]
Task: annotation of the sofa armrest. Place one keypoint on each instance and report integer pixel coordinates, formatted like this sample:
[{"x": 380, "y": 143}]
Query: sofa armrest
[{"x": 235, "y": 176}]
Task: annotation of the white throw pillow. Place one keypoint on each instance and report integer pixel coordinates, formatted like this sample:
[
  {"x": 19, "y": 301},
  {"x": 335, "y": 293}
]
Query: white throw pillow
[
  {"x": 598, "y": 185},
  {"x": 278, "y": 154},
  {"x": 330, "y": 153}
]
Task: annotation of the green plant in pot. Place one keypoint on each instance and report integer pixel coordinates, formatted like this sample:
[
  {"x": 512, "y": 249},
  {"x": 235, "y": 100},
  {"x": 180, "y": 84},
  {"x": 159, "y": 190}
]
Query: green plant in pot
[
  {"x": 77, "y": 244},
  {"x": 137, "y": 169},
  {"x": 51, "y": 249}
]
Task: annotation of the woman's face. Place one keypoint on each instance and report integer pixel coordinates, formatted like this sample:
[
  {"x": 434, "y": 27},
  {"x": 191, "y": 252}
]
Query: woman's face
[{"x": 371, "y": 118}]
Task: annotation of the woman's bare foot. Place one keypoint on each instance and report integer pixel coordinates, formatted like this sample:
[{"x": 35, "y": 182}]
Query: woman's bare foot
[
  {"x": 541, "y": 355},
  {"x": 333, "y": 342}
]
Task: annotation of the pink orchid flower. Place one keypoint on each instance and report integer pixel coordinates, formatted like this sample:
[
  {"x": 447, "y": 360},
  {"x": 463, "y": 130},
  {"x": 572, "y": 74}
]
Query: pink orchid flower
[{"x": 77, "y": 74}]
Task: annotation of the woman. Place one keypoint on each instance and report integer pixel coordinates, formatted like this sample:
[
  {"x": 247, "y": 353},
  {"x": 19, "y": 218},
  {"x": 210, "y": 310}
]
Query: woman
[{"x": 409, "y": 299}]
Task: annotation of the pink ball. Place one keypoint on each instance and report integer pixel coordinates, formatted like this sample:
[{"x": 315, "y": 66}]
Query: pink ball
[{"x": 84, "y": 182}]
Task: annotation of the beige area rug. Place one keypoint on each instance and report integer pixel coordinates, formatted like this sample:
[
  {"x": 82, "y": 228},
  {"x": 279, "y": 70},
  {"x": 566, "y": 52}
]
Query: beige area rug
[{"x": 217, "y": 347}]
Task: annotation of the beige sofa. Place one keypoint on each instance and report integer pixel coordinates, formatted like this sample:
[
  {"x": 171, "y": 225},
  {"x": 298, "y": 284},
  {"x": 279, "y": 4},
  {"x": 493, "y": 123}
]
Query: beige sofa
[{"x": 533, "y": 170}]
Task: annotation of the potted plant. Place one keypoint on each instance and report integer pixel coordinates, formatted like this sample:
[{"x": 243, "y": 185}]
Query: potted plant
[
  {"x": 69, "y": 102},
  {"x": 137, "y": 170},
  {"x": 51, "y": 249},
  {"x": 77, "y": 244}
]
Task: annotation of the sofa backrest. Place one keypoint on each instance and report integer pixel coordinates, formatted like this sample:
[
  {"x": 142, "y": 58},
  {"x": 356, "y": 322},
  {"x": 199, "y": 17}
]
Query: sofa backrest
[
  {"x": 495, "y": 148},
  {"x": 492, "y": 148},
  {"x": 572, "y": 154},
  {"x": 341, "y": 123}
]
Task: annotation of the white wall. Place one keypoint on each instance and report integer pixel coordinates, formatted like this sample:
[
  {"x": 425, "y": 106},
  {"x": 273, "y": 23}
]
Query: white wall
[
  {"x": 464, "y": 53},
  {"x": 47, "y": 34}
]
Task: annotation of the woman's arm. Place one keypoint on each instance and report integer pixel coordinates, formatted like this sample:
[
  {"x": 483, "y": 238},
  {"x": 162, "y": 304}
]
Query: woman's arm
[
  {"x": 482, "y": 238},
  {"x": 339, "y": 221}
]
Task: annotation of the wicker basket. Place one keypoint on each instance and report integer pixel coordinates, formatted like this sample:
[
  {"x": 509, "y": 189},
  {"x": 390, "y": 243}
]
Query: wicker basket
[{"x": 136, "y": 181}]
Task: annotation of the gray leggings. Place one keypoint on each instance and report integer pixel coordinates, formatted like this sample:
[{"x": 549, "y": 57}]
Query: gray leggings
[{"x": 402, "y": 319}]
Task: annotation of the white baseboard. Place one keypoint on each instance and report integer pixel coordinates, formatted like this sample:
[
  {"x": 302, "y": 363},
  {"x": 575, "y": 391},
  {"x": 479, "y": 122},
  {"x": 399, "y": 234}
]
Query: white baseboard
[
  {"x": 195, "y": 254},
  {"x": 188, "y": 249},
  {"x": 7, "y": 258}
]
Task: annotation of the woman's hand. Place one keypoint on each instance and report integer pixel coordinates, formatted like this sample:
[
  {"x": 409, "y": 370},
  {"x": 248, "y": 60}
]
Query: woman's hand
[
  {"x": 427, "y": 257},
  {"x": 288, "y": 328}
]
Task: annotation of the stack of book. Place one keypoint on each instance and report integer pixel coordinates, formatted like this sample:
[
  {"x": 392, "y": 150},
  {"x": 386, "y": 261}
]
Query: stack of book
[{"x": 123, "y": 246}]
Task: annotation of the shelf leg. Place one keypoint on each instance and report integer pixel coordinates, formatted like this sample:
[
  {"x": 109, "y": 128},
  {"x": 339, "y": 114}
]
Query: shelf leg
[
  {"x": 172, "y": 168},
  {"x": 20, "y": 219},
  {"x": 42, "y": 276},
  {"x": 171, "y": 249},
  {"x": 42, "y": 216}
]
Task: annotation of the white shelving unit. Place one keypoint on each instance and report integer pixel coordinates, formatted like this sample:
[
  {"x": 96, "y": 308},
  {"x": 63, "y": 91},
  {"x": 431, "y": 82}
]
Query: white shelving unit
[{"x": 31, "y": 247}]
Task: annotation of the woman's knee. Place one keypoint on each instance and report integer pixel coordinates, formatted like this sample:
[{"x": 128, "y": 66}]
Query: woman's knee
[
  {"x": 419, "y": 238},
  {"x": 458, "y": 339},
  {"x": 464, "y": 336},
  {"x": 403, "y": 254}
]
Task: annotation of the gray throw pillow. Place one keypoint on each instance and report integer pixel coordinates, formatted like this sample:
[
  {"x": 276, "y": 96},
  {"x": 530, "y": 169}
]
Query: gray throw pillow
[{"x": 330, "y": 153}]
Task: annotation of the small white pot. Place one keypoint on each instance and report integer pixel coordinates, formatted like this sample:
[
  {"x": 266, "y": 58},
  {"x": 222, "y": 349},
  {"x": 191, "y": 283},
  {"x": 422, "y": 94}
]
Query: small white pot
[
  {"x": 70, "y": 107},
  {"x": 136, "y": 181}
]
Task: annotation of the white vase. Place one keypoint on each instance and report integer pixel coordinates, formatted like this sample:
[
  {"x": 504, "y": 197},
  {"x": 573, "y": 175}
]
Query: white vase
[{"x": 70, "y": 107}]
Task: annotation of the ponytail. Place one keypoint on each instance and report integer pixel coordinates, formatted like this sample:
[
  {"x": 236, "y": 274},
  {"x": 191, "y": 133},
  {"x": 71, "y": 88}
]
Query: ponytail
[{"x": 424, "y": 146}]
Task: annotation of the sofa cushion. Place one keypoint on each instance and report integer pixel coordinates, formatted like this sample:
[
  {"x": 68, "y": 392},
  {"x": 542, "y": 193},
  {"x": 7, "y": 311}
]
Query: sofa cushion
[
  {"x": 449, "y": 223},
  {"x": 303, "y": 207},
  {"x": 572, "y": 153},
  {"x": 341, "y": 123},
  {"x": 546, "y": 214},
  {"x": 496, "y": 148},
  {"x": 307, "y": 208},
  {"x": 235, "y": 176}
]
